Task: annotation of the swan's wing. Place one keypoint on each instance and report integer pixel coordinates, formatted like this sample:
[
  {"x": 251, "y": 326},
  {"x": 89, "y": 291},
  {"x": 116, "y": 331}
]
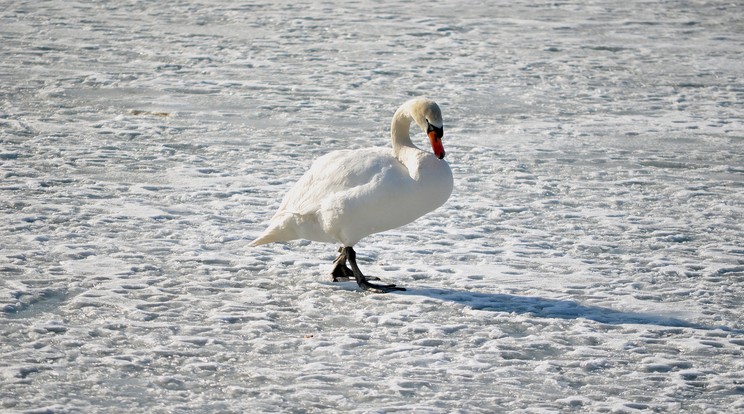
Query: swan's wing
[
  {"x": 331, "y": 178},
  {"x": 333, "y": 174}
]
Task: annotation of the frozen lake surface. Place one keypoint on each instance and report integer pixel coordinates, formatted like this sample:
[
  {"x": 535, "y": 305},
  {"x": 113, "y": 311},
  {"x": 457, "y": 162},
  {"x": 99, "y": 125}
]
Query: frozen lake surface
[{"x": 591, "y": 257}]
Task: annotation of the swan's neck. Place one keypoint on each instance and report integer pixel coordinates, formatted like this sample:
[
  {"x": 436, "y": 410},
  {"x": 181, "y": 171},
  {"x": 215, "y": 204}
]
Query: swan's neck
[
  {"x": 403, "y": 148},
  {"x": 400, "y": 132}
]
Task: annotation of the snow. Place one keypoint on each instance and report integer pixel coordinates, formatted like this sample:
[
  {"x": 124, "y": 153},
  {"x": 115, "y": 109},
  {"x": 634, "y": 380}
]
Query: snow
[{"x": 590, "y": 258}]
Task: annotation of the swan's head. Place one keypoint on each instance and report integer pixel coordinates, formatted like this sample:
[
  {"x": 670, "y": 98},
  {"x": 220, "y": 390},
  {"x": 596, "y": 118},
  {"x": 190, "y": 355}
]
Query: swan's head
[{"x": 428, "y": 117}]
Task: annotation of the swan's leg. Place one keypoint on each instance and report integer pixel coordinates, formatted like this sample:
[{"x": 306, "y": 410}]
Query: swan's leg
[
  {"x": 341, "y": 272},
  {"x": 361, "y": 279}
]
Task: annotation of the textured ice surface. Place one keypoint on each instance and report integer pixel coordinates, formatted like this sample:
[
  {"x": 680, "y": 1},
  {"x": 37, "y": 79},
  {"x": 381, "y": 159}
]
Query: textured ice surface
[{"x": 590, "y": 258}]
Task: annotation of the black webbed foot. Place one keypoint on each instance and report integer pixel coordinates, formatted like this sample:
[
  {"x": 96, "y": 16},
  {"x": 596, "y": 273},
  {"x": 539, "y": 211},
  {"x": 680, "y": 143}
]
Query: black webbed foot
[
  {"x": 341, "y": 272},
  {"x": 374, "y": 287},
  {"x": 348, "y": 253}
]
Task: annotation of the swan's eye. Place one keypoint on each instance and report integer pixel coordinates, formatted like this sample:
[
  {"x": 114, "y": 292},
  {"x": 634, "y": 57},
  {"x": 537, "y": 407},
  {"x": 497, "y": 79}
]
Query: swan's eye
[{"x": 430, "y": 128}]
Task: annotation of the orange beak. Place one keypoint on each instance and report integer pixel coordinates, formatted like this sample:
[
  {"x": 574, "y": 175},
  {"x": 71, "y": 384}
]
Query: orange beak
[{"x": 436, "y": 144}]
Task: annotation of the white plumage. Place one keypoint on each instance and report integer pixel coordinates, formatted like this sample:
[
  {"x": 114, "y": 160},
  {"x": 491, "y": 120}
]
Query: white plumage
[{"x": 349, "y": 194}]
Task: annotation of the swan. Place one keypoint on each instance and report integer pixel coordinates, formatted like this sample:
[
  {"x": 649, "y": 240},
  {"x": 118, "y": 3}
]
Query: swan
[{"x": 347, "y": 195}]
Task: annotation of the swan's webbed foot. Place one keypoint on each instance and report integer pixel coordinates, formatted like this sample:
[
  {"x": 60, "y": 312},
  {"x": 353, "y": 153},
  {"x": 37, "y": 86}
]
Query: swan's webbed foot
[
  {"x": 341, "y": 272},
  {"x": 349, "y": 254},
  {"x": 374, "y": 287}
]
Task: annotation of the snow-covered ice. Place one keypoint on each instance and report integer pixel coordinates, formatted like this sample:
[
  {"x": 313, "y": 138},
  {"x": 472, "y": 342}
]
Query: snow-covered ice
[{"x": 590, "y": 259}]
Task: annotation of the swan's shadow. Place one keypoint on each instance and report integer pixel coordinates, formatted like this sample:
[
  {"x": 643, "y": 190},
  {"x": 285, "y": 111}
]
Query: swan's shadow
[{"x": 554, "y": 308}]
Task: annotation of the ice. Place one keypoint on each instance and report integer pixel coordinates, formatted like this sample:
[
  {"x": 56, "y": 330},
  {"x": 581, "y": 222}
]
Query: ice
[{"x": 590, "y": 257}]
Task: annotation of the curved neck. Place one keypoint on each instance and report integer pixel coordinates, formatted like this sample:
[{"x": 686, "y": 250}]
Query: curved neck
[{"x": 400, "y": 130}]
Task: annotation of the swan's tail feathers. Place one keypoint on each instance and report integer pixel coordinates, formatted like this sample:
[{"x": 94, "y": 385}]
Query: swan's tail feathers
[
  {"x": 260, "y": 240},
  {"x": 268, "y": 236},
  {"x": 279, "y": 231}
]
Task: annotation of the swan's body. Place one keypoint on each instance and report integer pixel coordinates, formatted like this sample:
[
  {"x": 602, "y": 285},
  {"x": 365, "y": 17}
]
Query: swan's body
[{"x": 349, "y": 194}]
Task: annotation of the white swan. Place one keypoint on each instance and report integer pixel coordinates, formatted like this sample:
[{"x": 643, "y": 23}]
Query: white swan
[{"x": 349, "y": 194}]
